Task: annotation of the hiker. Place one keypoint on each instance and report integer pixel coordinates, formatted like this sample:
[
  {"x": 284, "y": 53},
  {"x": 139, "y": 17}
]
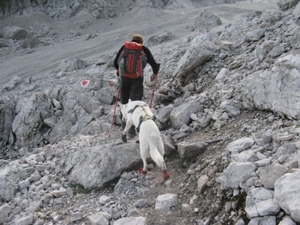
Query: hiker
[
  {"x": 129, "y": 62},
  {"x": 132, "y": 81}
]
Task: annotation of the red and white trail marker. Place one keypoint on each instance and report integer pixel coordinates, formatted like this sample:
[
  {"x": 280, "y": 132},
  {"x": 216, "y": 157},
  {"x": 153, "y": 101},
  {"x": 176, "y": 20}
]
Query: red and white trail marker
[{"x": 85, "y": 83}]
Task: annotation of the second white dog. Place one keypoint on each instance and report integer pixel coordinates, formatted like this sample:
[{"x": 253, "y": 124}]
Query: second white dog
[{"x": 138, "y": 113}]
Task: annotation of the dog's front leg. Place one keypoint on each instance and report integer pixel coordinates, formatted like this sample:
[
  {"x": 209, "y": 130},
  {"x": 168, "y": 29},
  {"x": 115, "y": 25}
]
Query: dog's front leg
[
  {"x": 125, "y": 131},
  {"x": 138, "y": 127}
]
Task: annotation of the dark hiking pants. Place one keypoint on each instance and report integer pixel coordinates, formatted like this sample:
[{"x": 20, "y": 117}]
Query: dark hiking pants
[{"x": 132, "y": 89}]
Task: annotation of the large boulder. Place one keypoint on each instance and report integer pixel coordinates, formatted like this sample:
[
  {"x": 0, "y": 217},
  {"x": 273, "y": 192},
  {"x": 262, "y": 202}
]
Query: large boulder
[
  {"x": 28, "y": 124},
  {"x": 94, "y": 166},
  {"x": 194, "y": 57},
  {"x": 181, "y": 114},
  {"x": 15, "y": 33},
  {"x": 286, "y": 4},
  {"x": 207, "y": 20},
  {"x": 276, "y": 90},
  {"x": 287, "y": 194}
]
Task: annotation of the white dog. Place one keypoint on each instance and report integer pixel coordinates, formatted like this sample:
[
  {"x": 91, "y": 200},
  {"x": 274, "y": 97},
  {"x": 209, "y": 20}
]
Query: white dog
[
  {"x": 127, "y": 111},
  {"x": 138, "y": 113}
]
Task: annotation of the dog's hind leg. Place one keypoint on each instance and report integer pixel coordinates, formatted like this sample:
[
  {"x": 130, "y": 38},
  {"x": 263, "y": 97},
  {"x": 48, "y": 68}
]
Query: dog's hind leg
[
  {"x": 155, "y": 151},
  {"x": 165, "y": 174},
  {"x": 143, "y": 152},
  {"x": 160, "y": 147},
  {"x": 125, "y": 131},
  {"x": 159, "y": 160}
]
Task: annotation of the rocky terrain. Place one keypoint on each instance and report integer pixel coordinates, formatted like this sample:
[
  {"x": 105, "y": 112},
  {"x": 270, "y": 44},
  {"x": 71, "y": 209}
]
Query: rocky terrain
[{"x": 226, "y": 104}]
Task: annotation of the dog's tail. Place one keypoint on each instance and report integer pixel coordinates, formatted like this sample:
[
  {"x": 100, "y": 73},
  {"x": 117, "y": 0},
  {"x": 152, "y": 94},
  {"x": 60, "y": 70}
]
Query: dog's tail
[{"x": 155, "y": 154}]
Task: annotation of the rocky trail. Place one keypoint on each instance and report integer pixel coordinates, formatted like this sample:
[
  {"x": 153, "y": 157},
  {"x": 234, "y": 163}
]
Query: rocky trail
[{"x": 226, "y": 105}]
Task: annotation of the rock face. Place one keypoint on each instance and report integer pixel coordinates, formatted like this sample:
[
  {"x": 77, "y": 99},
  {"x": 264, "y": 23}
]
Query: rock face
[
  {"x": 287, "y": 193},
  {"x": 227, "y": 105},
  {"x": 207, "y": 20},
  {"x": 62, "y": 9},
  {"x": 103, "y": 163},
  {"x": 15, "y": 33},
  {"x": 271, "y": 90}
]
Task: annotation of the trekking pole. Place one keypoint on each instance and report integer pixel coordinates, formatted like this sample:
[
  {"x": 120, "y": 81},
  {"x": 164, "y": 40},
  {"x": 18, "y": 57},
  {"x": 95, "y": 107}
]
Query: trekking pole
[
  {"x": 115, "y": 107},
  {"x": 154, "y": 89}
]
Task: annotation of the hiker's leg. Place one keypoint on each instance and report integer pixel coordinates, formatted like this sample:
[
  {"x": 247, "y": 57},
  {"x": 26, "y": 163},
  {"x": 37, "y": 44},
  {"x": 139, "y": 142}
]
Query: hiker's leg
[
  {"x": 137, "y": 88},
  {"x": 136, "y": 93},
  {"x": 125, "y": 90},
  {"x": 124, "y": 96}
]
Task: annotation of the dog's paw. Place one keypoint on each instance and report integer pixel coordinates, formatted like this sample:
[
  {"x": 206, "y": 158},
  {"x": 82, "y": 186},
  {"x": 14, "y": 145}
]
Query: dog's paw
[
  {"x": 165, "y": 175},
  {"x": 141, "y": 170},
  {"x": 124, "y": 138}
]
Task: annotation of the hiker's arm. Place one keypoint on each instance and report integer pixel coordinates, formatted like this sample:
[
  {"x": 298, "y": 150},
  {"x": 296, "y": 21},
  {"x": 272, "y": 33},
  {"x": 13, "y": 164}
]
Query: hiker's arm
[
  {"x": 151, "y": 60},
  {"x": 116, "y": 63}
]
